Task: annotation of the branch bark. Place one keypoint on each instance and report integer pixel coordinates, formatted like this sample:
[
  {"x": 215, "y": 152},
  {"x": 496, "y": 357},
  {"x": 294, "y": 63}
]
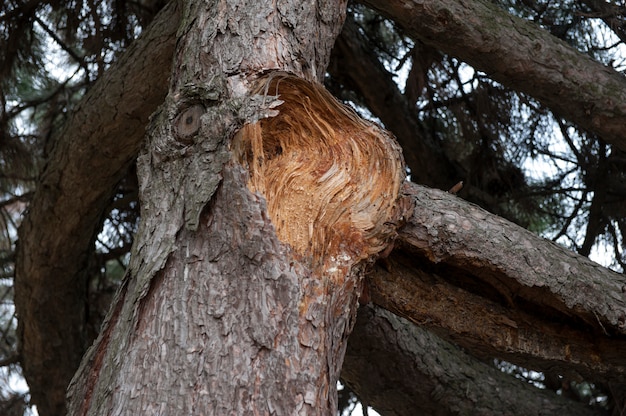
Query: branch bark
[
  {"x": 520, "y": 55},
  {"x": 500, "y": 291},
  {"x": 91, "y": 155},
  {"x": 385, "y": 351}
]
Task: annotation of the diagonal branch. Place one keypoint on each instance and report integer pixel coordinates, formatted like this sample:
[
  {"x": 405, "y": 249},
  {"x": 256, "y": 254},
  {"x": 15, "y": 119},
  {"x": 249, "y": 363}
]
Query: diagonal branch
[
  {"x": 499, "y": 290},
  {"x": 520, "y": 55},
  {"x": 90, "y": 156}
]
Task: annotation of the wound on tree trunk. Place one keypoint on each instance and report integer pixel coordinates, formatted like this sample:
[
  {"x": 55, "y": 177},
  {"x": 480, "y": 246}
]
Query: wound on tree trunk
[
  {"x": 246, "y": 310},
  {"x": 331, "y": 179}
]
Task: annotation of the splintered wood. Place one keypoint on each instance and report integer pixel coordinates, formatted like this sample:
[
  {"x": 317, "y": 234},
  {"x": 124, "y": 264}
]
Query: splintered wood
[{"x": 330, "y": 179}]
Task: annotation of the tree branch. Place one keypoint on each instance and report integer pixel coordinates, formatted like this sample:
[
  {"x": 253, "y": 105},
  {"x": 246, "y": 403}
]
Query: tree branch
[
  {"x": 385, "y": 351},
  {"x": 520, "y": 55},
  {"x": 500, "y": 291},
  {"x": 90, "y": 156}
]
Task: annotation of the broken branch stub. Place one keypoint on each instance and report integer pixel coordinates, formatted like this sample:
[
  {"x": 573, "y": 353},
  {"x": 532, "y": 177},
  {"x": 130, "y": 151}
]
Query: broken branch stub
[{"x": 330, "y": 178}]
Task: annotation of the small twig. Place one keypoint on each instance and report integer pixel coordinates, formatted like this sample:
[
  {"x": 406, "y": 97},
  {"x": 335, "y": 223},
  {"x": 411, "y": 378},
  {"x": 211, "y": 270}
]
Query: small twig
[{"x": 456, "y": 188}]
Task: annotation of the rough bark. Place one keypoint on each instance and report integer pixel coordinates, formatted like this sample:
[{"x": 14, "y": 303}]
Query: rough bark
[
  {"x": 90, "y": 156},
  {"x": 522, "y": 56},
  {"x": 42, "y": 243},
  {"x": 467, "y": 237},
  {"x": 500, "y": 291},
  {"x": 216, "y": 307},
  {"x": 385, "y": 351}
]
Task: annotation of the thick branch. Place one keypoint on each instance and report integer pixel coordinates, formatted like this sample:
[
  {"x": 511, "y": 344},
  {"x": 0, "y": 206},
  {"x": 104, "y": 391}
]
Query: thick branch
[
  {"x": 499, "y": 290},
  {"x": 91, "y": 155},
  {"x": 386, "y": 351},
  {"x": 520, "y": 55}
]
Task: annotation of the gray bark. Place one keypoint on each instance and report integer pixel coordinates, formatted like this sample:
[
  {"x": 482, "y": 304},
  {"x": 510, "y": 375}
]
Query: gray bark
[
  {"x": 520, "y": 55},
  {"x": 465, "y": 237},
  {"x": 385, "y": 351}
]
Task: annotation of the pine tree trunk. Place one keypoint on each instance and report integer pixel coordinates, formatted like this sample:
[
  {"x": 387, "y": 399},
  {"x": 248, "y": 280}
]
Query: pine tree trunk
[{"x": 256, "y": 224}]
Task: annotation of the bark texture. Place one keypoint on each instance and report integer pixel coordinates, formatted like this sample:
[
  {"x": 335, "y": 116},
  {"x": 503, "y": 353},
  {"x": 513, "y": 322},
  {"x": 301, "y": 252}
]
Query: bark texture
[
  {"x": 500, "y": 291},
  {"x": 385, "y": 351},
  {"x": 461, "y": 235},
  {"x": 520, "y": 55},
  {"x": 90, "y": 156},
  {"x": 216, "y": 306}
]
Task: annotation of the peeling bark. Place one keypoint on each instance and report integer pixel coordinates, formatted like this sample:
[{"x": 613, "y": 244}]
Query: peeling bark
[{"x": 520, "y": 55}]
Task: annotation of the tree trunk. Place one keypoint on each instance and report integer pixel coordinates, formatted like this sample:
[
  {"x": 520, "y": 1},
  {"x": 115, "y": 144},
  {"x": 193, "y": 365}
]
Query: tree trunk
[{"x": 243, "y": 281}]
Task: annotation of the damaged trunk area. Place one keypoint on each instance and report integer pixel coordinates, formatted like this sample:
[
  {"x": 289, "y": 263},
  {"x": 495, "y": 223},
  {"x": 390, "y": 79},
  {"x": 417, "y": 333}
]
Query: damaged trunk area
[
  {"x": 332, "y": 182},
  {"x": 331, "y": 179},
  {"x": 248, "y": 309}
]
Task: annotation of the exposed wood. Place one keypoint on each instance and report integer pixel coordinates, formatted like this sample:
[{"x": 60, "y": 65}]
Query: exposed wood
[
  {"x": 385, "y": 351},
  {"x": 215, "y": 303},
  {"x": 90, "y": 156},
  {"x": 310, "y": 161},
  {"x": 520, "y": 55}
]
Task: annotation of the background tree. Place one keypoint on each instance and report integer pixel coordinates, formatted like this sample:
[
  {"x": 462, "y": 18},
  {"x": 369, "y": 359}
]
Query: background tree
[{"x": 492, "y": 129}]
